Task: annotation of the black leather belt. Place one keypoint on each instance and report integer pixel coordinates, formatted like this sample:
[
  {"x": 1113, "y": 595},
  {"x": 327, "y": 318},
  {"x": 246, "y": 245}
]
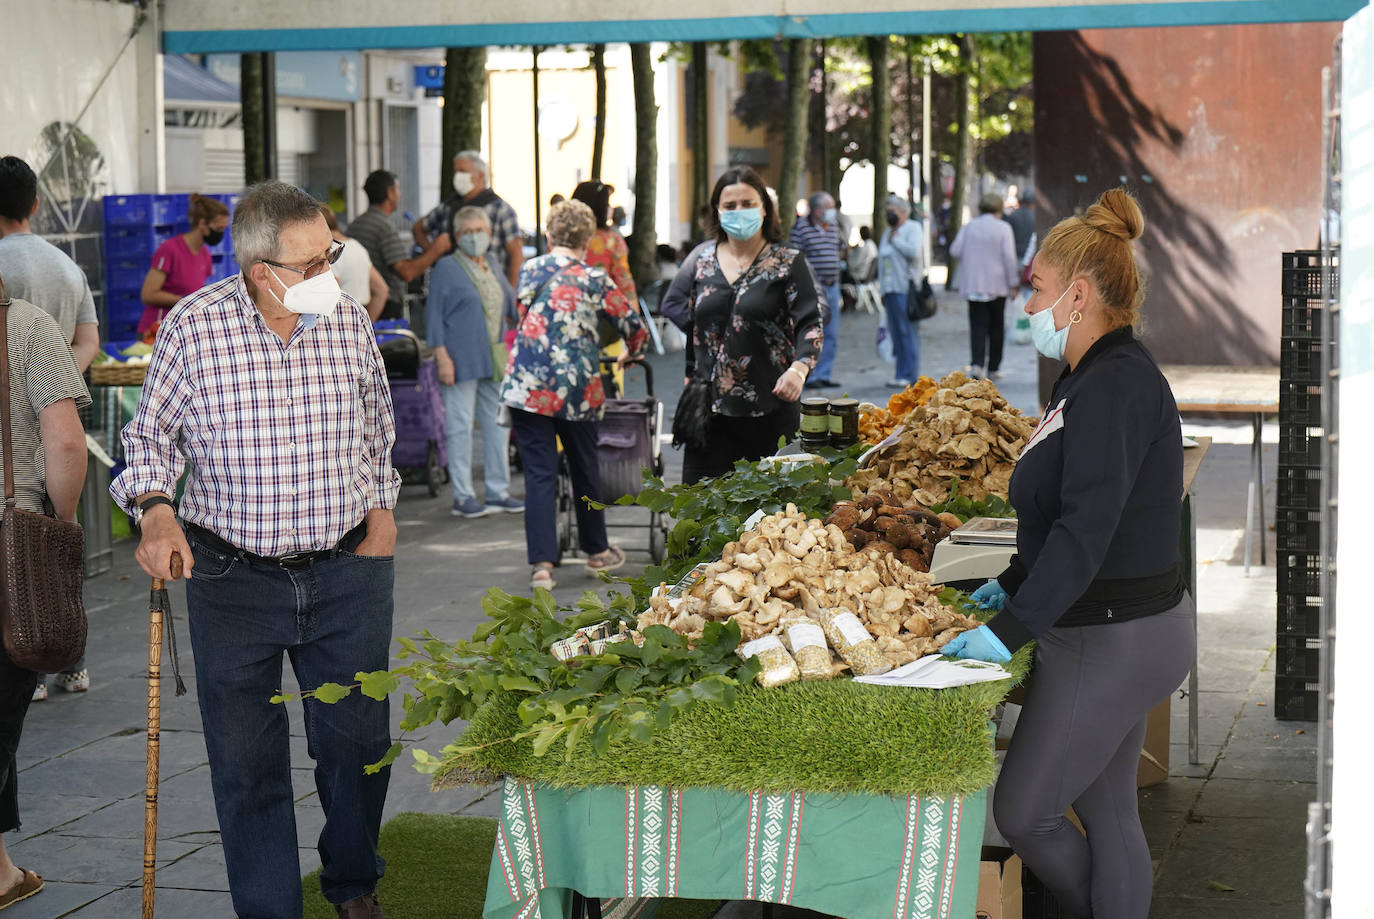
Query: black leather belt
[{"x": 296, "y": 561}]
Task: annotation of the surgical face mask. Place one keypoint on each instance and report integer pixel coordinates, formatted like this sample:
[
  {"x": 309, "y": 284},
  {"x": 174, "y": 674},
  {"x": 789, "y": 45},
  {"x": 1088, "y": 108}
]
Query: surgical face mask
[
  {"x": 213, "y": 237},
  {"x": 318, "y": 295},
  {"x": 475, "y": 244},
  {"x": 1048, "y": 340},
  {"x": 892, "y": 218},
  {"x": 829, "y": 215},
  {"x": 462, "y": 183},
  {"x": 741, "y": 224}
]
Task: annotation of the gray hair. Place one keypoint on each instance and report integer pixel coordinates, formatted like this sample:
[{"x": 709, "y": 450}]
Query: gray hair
[
  {"x": 260, "y": 216},
  {"x": 815, "y": 203},
  {"x": 475, "y": 158},
  {"x": 899, "y": 205},
  {"x": 470, "y": 212}
]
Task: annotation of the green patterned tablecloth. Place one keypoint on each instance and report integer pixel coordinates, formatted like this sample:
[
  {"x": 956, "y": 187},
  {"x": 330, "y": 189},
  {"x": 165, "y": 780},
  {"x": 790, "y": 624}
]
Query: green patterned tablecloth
[{"x": 858, "y": 856}]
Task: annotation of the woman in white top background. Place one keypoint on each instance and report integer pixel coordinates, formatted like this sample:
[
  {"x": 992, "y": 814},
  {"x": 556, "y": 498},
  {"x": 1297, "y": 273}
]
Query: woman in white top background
[{"x": 354, "y": 270}]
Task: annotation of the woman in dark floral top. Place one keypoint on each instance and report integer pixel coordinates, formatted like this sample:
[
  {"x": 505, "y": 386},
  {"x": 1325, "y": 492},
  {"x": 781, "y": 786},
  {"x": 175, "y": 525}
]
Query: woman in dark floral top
[
  {"x": 753, "y": 306},
  {"x": 553, "y": 385}
]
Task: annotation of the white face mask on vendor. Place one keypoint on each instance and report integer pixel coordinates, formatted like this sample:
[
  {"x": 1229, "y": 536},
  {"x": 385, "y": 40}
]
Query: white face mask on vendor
[{"x": 317, "y": 296}]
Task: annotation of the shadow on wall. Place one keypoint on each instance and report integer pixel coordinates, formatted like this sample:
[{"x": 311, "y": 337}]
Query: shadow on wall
[{"x": 1207, "y": 257}]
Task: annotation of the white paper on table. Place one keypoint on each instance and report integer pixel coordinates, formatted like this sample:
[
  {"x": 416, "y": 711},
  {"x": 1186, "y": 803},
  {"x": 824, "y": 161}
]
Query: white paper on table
[{"x": 934, "y": 672}]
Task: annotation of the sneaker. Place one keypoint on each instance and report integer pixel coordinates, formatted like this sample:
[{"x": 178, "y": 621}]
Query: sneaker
[
  {"x": 995, "y": 375},
  {"x": 470, "y": 509},
  {"x": 897, "y": 384},
  {"x": 974, "y": 371},
  {"x": 40, "y": 692},
  {"x": 74, "y": 680},
  {"x": 509, "y": 505}
]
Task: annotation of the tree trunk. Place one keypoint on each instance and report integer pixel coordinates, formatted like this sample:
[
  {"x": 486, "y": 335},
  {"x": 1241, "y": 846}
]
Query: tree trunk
[
  {"x": 913, "y": 180},
  {"x": 962, "y": 166},
  {"x": 465, "y": 88},
  {"x": 794, "y": 129},
  {"x": 250, "y": 102},
  {"x": 643, "y": 239},
  {"x": 829, "y": 180},
  {"x": 880, "y": 122},
  {"x": 700, "y": 138},
  {"x": 599, "y": 129}
]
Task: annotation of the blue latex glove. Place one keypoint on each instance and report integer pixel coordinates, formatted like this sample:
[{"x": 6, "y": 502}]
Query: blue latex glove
[
  {"x": 978, "y": 644},
  {"x": 990, "y": 595}
]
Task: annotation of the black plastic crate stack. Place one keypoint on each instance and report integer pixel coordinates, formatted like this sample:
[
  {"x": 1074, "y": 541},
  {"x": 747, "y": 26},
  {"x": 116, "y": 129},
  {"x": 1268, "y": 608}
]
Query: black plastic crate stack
[{"x": 1298, "y": 521}]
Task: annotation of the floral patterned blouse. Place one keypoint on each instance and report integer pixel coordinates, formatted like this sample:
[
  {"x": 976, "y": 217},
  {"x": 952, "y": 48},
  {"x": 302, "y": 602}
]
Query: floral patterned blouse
[
  {"x": 607, "y": 250},
  {"x": 748, "y": 333},
  {"x": 554, "y": 365}
]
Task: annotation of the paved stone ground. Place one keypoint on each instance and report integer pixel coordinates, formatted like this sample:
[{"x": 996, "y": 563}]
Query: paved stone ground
[{"x": 1236, "y": 818}]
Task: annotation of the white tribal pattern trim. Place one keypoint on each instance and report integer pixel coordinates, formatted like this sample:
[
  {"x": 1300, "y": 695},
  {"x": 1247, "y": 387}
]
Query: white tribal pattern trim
[
  {"x": 519, "y": 835},
  {"x": 651, "y": 857}
]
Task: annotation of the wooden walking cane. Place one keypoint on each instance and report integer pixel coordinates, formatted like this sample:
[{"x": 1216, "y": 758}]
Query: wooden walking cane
[{"x": 158, "y": 606}]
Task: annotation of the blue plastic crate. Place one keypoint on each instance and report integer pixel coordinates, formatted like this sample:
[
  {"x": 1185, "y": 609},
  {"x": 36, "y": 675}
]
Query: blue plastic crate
[
  {"x": 125, "y": 274},
  {"x": 170, "y": 209},
  {"x": 123, "y": 306},
  {"x": 122, "y": 329},
  {"x": 128, "y": 210},
  {"x": 124, "y": 242}
]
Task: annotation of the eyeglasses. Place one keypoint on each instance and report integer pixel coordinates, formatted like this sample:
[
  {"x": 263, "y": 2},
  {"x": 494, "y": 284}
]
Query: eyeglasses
[{"x": 318, "y": 267}]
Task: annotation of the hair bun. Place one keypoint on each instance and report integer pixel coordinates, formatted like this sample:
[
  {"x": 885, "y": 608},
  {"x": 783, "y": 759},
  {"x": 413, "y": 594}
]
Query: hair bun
[{"x": 1116, "y": 212}]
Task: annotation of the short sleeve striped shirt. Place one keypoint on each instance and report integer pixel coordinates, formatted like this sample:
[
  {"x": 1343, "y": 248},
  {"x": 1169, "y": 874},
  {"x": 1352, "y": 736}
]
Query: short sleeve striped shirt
[
  {"x": 288, "y": 444},
  {"x": 42, "y": 372}
]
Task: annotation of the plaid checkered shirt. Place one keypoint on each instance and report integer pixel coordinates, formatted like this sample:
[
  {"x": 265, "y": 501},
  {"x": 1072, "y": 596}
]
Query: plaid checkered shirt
[{"x": 287, "y": 444}]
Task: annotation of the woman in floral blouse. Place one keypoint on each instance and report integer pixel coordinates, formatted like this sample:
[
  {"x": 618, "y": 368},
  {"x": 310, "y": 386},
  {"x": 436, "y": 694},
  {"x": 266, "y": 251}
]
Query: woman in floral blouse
[
  {"x": 753, "y": 306},
  {"x": 553, "y": 385}
]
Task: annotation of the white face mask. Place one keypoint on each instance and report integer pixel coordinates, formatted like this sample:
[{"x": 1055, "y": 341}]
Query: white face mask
[
  {"x": 462, "y": 183},
  {"x": 318, "y": 295}
]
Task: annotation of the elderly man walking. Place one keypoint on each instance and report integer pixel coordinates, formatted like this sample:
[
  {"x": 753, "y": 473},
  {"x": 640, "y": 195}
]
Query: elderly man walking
[
  {"x": 270, "y": 387},
  {"x": 817, "y": 235},
  {"x": 472, "y": 188},
  {"x": 988, "y": 275}
]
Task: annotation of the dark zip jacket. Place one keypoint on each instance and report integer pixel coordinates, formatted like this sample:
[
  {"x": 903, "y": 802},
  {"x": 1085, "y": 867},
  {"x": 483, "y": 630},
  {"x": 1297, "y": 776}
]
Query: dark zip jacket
[{"x": 1098, "y": 493}]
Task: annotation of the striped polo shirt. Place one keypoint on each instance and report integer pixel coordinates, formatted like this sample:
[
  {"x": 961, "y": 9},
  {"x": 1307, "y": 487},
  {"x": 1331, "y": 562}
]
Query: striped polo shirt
[
  {"x": 821, "y": 246},
  {"x": 42, "y": 372}
]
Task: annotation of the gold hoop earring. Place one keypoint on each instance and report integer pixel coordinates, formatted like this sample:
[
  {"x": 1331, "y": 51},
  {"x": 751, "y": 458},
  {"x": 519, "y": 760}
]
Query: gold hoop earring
[{"x": 1075, "y": 317}]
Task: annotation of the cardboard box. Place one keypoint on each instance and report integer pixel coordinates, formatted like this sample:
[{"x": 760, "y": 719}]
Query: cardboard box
[
  {"x": 1154, "y": 758},
  {"x": 999, "y": 885}
]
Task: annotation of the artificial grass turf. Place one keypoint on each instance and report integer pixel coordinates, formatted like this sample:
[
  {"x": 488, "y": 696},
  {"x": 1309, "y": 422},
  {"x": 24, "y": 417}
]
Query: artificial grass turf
[
  {"x": 436, "y": 868},
  {"x": 837, "y": 736}
]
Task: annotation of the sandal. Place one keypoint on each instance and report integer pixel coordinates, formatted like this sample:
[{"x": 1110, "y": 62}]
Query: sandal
[
  {"x": 542, "y": 577},
  {"x": 609, "y": 560},
  {"x": 28, "y": 885}
]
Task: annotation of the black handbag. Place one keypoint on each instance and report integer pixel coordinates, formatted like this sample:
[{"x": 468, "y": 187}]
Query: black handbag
[
  {"x": 920, "y": 300},
  {"x": 692, "y": 417}
]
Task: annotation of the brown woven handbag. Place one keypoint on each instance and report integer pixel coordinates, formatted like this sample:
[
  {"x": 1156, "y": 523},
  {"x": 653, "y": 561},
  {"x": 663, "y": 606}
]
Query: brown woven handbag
[{"x": 42, "y": 562}]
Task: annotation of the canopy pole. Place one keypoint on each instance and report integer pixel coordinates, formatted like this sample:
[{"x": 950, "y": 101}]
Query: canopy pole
[{"x": 538, "y": 193}]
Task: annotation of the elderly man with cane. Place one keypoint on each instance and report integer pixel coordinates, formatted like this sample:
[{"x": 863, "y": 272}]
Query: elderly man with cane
[{"x": 270, "y": 387}]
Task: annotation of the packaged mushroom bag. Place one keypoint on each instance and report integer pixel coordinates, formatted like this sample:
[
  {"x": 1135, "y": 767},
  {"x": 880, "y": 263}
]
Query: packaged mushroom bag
[
  {"x": 852, "y": 640},
  {"x": 808, "y": 647},
  {"x": 778, "y": 668}
]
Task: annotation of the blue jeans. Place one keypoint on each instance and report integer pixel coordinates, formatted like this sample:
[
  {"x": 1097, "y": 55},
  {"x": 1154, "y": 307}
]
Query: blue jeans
[
  {"x": 332, "y": 620},
  {"x": 906, "y": 346},
  {"x": 825, "y": 364},
  {"x": 535, "y": 435},
  {"x": 465, "y": 402}
]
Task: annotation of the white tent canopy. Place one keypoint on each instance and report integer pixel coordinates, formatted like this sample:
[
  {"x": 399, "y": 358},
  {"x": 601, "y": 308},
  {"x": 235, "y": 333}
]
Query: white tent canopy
[{"x": 192, "y": 26}]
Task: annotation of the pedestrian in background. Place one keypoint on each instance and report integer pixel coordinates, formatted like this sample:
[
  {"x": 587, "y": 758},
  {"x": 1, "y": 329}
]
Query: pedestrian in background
[
  {"x": 182, "y": 264},
  {"x": 288, "y": 542},
  {"x": 469, "y": 309},
  {"x": 606, "y": 249},
  {"x": 863, "y": 258},
  {"x": 987, "y": 275},
  {"x": 354, "y": 270},
  {"x": 817, "y": 236},
  {"x": 900, "y": 262},
  {"x": 42, "y": 274},
  {"x": 49, "y": 463},
  {"x": 472, "y": 187},
  {"x": 554, "y": 390},
  {"x": 374, "y": 229},
  {"x": 751, "y": 307}
]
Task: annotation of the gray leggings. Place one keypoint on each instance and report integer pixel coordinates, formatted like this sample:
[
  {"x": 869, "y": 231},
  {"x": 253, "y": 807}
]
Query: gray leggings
[{"x": 1077, "y": 743}]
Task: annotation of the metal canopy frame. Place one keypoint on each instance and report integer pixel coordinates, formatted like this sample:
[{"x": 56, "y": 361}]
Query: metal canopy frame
[{"x": 203, "y": 27}]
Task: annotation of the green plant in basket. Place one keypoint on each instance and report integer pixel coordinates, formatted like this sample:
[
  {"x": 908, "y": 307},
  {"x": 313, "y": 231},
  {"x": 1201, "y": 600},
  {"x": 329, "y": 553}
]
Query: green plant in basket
[{"x": 630, "y": 691}]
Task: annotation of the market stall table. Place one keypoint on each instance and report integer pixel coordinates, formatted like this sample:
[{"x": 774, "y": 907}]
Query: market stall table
[{"x": 1252, "y": 391}]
